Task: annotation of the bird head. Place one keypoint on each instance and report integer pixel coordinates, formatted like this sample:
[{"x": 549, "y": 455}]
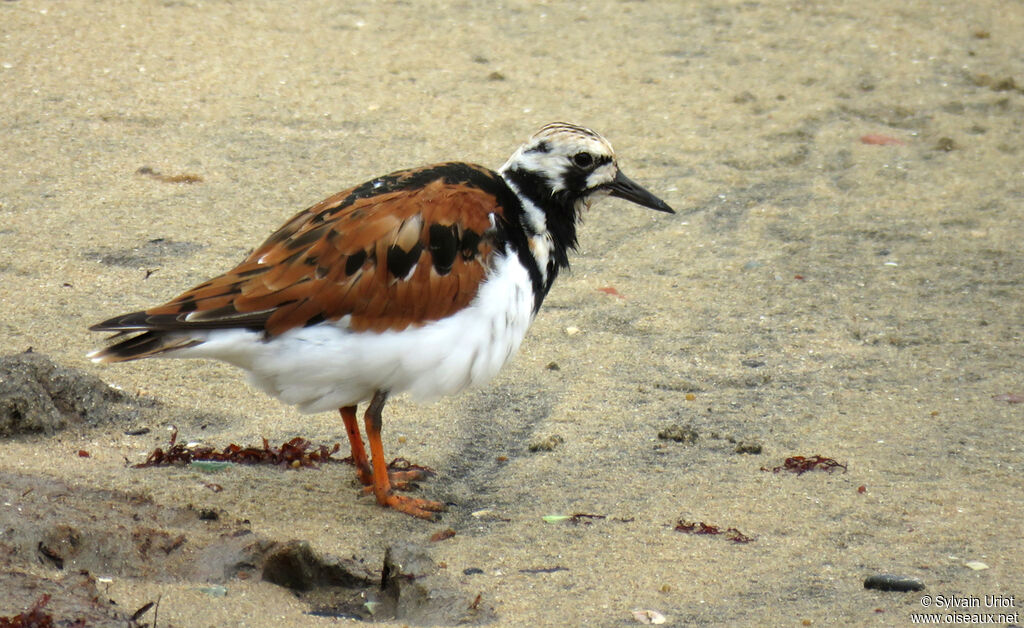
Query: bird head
[{"x": 572, "y": 166}]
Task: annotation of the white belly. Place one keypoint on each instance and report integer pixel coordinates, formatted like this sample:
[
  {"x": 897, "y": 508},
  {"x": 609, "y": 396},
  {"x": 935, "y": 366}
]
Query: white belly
[{"x": 327, "y": 366}]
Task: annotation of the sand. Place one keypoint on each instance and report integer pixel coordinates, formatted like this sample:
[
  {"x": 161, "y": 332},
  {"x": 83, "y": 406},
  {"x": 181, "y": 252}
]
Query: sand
[{"x": 843, "y": 278}]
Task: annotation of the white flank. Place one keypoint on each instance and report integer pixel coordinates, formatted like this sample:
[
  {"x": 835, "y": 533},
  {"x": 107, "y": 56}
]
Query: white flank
[{"x": 327, "y": 366}]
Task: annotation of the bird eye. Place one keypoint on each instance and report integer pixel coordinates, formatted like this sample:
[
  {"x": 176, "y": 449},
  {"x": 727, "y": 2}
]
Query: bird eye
[{"x": 583, "y": 160}]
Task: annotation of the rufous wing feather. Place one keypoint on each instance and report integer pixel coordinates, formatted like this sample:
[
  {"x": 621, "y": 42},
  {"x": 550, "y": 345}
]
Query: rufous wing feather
[{"x": 388, "y": 258}]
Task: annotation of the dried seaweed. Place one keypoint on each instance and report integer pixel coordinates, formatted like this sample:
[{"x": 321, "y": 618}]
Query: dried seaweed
[
  {"x": 801, "y": 464},
  {"x": 34, "y": 617},
  {"x": 585, "y": 518},
  {"x": 731, "y": 534},
  {"x": 294, "y": 454},
  {"x": 442, "y": 535}
]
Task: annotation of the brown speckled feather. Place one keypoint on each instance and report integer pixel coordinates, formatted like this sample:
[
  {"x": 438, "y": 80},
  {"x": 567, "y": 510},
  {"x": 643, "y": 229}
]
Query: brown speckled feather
[{"x": 414, "y": 251}]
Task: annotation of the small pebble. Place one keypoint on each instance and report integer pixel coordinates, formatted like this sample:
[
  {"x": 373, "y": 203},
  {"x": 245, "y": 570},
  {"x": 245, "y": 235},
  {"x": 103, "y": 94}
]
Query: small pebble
[
  {"x": 572, "y": 330},
  {"x": 1009, "y": 397},
  {"x": 488, "y": 514},
  {"x": 976, "y": 565},
  {"x": 555, "y": 518},
  {"x": 890, "y": 582},
  {"x": 648, "y": 617},
  {"x": 210, "y": 466},
  {"x": 877, "y": 139},
  {"x": 472, "y": 571},
  {"x": 214, "y": 590}
]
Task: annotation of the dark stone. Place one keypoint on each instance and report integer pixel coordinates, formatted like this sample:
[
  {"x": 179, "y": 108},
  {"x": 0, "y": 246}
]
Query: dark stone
[{"x": 890, "y": 582}]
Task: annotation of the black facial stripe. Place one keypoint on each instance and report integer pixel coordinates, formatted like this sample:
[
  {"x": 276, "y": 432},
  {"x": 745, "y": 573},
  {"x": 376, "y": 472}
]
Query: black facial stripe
[{"x": 575, "y": 180}]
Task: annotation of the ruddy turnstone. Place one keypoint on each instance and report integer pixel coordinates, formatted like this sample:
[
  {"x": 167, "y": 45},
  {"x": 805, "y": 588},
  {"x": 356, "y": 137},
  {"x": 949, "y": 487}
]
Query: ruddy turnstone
[{"x": 421, "y": 281}]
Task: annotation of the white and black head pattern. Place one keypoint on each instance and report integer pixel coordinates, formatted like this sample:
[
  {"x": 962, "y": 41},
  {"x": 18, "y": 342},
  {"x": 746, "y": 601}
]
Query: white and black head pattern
[
  {"x": 568, "y": 161},
  {"x": 557, "y": 174}
]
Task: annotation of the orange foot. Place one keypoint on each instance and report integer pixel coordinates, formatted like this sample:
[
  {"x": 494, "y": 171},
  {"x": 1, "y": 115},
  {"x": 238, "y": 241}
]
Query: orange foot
[
  {"x": 401, "y": 473},
  {"x": 422, "y": 508},
  {"x": 377, "y": 475}
]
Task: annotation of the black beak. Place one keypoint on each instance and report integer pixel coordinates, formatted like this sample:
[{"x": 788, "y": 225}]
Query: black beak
[{"x": 624, "y": 187}]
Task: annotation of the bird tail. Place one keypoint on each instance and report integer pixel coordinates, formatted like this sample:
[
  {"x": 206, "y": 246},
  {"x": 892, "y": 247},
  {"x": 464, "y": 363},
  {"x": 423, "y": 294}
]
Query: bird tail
[
  {"x": 144, "y": 345},
  {"x": 138, "y": 337}
]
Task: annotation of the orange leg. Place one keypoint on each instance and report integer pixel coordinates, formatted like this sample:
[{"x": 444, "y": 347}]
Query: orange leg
[
  {"x": 382, "y": 489},
  {"x": 359, "y": 459},
  {"x": 400, "y": 477}
]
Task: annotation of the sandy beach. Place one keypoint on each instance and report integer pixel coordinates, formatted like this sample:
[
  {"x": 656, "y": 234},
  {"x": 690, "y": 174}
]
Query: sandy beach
[{"x": 843, "y": 278}]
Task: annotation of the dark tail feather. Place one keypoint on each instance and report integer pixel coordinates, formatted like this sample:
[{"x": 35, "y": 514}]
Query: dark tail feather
[
  {"x": 126, "y": 323},
  {"x": 144, "y": 345}
]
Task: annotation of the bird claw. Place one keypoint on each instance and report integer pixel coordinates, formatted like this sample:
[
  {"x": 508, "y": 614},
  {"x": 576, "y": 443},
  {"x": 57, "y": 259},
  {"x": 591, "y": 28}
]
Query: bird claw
[
  {"x": 422, "y": 508},
  {"x": 401, "y": 470},
  {"x": 402, "y": 474}
]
